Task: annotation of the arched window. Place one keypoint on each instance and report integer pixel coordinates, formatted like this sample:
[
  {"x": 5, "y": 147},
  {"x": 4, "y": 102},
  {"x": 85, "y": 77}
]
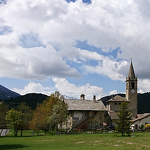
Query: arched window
[{"x": 132, "y": 85}]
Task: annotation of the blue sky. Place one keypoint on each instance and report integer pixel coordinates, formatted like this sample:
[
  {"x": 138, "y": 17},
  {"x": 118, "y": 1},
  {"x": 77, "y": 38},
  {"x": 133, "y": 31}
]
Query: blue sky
[{"x": 74, "y": 47}]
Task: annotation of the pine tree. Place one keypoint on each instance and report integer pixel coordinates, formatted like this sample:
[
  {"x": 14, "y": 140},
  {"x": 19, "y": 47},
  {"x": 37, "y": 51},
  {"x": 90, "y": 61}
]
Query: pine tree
[{"x": 123, "y": 124}]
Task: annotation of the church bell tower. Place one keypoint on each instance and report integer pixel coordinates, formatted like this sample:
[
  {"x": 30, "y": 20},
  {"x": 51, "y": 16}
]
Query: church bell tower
[{"x": 131, "y": 91}]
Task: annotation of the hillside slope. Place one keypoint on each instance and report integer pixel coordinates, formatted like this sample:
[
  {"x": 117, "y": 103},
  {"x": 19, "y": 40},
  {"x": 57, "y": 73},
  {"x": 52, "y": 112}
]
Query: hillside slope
[
  {"x": 30, "y": 99},
  {"x": 6, "y": 93}
]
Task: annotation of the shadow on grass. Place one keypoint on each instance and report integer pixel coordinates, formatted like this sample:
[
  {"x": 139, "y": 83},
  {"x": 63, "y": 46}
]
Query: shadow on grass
[{"x": 12, "y": 146}]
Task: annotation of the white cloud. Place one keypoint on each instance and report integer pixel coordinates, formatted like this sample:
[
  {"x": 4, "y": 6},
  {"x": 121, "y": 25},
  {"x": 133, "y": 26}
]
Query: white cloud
[
  {"x": 33, "y": 63},
  {"x": 64, "y": 87},
  {"x": 105, "y": 24},
  {"x": 144, "y": 85},
  {"x": 33, "y": 87},
  {"x": 69, "y": 89},
  {"x": 113, "y": 92},
  {"x": 108, "y": 68}
]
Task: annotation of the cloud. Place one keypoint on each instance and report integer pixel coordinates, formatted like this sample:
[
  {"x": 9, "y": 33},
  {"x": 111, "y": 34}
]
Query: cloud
[
  {"x": 113, "y": 92},
  {"x": 143, "y": 85},
  {"x": 64, "y": 87},
  {"x": 32, "y": 63},
  {"x": 103, "y": 24},
  {"x": 33, "y": 87},
  {"x": 108, "y": 68},
  {"x": 69, "y": 89}
]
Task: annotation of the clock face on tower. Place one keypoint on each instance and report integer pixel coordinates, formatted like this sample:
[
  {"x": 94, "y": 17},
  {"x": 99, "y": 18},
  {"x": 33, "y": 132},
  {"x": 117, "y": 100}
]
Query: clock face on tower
[{"x": 132, "y": 91}]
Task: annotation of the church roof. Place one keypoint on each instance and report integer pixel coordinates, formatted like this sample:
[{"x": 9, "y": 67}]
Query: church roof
[
  {"x": 117, "y": 98},
  {"x": 113, "y": 115},
  {"x": 87, "y": 105},
  {"x": 131, "y": 74}
]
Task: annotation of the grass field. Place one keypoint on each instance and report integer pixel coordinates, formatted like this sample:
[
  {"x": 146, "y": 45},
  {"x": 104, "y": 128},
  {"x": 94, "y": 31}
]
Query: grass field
[{"x": 108, "y": 141}]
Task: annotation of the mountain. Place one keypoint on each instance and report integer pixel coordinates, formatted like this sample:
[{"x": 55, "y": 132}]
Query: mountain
[
  {"x": 6, "y": 93},
  {"x": 30, "y": 99}
]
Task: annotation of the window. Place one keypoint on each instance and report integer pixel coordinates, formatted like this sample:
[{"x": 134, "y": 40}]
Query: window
[
  {"x": 115, "y": 103},
  {"x": 119, "y": 103},
  {"x": 132, "y": 85}
]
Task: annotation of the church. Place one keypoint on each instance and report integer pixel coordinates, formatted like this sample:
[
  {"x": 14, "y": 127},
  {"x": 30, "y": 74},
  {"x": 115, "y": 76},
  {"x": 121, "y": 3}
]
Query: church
[
  {"x": 88, "y": 114},
  {"x": 113, "y": 105}
]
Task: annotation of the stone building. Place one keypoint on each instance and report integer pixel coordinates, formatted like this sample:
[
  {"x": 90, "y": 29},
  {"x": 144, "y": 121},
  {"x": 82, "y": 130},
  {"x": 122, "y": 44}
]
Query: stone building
[
  {"x": 113, "y": 105},
  {"x": 86, "y": 114}
]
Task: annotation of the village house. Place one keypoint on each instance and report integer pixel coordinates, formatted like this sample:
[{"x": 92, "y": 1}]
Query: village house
[{"x": 86, "y": 114}]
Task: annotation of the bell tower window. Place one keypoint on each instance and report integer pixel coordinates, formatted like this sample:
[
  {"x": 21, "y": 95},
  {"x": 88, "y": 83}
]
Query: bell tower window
[{"x": 132, "y": 85}]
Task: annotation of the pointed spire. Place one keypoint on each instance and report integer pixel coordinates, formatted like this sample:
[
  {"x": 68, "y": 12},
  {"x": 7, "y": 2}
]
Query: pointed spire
[{"x": 131, "y": 74}]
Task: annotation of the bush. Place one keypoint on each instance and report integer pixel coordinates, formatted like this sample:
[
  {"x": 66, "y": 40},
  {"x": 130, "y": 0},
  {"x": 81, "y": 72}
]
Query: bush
[{"x": 52, "y": 132}]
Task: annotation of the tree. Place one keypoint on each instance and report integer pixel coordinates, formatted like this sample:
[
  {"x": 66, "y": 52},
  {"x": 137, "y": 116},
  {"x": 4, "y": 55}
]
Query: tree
[
  {"x": 14, "y": 120},
  {"x": 123, "y": 124},
  {"x": 40, "y": 118},
  {"x": 3, "y": 112},
  {"x": 35, "y": 123},
  {"x": 26, "y": 115},
  {"x": 48, "y": 114},
  {"x": 59, "y": 114}
]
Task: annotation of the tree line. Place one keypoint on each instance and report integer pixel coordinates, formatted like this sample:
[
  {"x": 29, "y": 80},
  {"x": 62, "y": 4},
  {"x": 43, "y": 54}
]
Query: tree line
[{"x": 47, "y": 115}]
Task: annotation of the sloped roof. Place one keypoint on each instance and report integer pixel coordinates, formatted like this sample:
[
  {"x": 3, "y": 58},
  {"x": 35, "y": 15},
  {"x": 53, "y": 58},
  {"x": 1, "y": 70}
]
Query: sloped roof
[
  {"x": 113, "y": 115},
  {"x": 89, "y": 105},
  {"x": 141, "y": 116},
  {"x": 131, "y": 74},
  {"x": 117, "y": 98}
]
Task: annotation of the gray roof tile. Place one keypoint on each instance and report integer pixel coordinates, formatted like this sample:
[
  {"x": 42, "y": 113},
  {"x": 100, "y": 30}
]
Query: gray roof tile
[{"x": 77, "y": 104}]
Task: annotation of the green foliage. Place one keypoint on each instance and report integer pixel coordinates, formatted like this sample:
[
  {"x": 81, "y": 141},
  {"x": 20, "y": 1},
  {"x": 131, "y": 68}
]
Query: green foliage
[
  {"x": 26, "y": 115},
  {"x": 19, "y": 119},
  {"x": 123, "y": 124},
  {"x": 14, "y": 120},
  {"x": 58, "y": 114},
  {"x": 49, "y": 114},
  {"x": 3, "y": 111},
  {"x": 52, "y": 132}
]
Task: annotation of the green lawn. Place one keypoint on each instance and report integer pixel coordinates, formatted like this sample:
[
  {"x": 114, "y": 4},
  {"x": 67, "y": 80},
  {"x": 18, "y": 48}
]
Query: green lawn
[{"x": 108, "y": 141}]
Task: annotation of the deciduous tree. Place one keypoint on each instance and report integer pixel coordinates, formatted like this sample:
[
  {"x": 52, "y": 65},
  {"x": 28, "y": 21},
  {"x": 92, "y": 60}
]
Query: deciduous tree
[
  {"x": 26, "y": 115},
  {"x": 14, "y": 120},
  {"x": 49, "y": 114},
  {"x": 59, "y": 114},
  {"x": 3, "y": 112}
]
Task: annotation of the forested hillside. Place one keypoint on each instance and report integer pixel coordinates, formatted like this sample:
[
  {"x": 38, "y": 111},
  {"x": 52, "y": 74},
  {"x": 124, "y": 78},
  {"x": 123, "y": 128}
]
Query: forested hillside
[{"x": 30, "y": 99}]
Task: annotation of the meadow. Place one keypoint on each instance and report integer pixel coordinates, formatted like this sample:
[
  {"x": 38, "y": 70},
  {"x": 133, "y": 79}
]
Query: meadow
[{"x": 105, "y": 141}]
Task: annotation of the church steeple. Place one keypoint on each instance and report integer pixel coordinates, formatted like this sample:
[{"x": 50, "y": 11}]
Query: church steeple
[
  {"x": 131, "y": 74},
  {"x": 131, "y": 90}
]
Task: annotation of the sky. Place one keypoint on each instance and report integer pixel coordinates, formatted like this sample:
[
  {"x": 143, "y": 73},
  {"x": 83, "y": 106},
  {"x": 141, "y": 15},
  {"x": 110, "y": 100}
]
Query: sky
[{"x": 74, "y": 46}]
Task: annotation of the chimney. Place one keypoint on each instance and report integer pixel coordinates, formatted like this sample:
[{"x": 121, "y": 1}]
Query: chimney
[
  {"x": 112, "y": 97},
  {"x": 82, "y": 96},
  {"x": 94, "y": 98}
]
